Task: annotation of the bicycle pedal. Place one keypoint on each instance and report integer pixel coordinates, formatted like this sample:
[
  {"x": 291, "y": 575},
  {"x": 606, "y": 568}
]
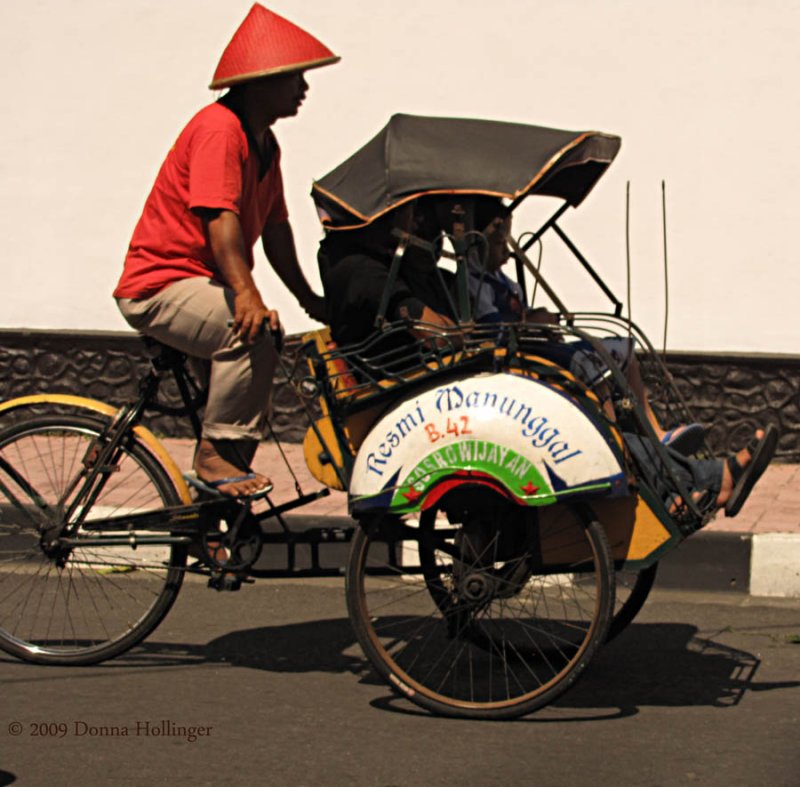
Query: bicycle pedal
[{"x": 225, "y": 581}]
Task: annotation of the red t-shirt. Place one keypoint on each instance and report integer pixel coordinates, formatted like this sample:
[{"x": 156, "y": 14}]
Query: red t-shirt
[{"x": 210, "y": 166}]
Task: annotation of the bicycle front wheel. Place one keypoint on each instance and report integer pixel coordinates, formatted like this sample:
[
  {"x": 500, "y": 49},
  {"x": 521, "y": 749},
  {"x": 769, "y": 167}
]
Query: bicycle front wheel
[
  {"x": 490, "y": 612},
  {"x": 83, "y": 604}
]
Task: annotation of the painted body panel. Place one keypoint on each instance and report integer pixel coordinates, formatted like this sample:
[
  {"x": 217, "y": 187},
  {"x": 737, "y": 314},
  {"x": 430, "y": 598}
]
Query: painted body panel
[{"x": 536, "y": 443}]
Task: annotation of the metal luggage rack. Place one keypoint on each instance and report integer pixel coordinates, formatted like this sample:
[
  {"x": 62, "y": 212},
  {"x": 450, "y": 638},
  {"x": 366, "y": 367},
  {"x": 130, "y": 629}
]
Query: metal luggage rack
[
  {"x": 354, "y": 374},
  {"x": 360, "y": 371}
]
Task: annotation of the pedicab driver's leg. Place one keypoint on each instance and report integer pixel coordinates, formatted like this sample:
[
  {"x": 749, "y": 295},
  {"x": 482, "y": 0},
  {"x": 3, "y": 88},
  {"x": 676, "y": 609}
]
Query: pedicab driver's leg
[{"x": 193, "y": 315}]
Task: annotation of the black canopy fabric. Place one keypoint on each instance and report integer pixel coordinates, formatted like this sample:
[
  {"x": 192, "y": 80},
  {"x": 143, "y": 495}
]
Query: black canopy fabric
[{"x": 413, "y": 156}]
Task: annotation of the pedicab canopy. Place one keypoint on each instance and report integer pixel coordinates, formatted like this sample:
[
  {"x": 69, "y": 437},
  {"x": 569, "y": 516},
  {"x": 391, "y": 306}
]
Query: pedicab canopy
[{"x": 415, "y": 156}]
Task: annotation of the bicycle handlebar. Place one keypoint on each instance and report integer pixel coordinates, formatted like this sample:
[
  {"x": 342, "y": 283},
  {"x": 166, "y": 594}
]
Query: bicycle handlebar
[{"x": 277, "y": 336}]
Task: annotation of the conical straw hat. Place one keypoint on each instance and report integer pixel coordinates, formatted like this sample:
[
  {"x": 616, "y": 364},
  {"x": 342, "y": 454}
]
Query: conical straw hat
[{"x": 266, "y": 44}]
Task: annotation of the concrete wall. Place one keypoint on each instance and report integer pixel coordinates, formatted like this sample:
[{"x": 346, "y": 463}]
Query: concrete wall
[
  {"x": 731, "y": 395},
  {"x": 702, "y": 94}
]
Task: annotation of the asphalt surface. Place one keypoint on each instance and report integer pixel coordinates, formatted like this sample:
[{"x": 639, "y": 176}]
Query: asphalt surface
[{"x": 701, "y": 688}]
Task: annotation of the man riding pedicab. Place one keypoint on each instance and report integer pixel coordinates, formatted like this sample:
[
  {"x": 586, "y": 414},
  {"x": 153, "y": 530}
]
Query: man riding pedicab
[{"x": 187, "y": 279}]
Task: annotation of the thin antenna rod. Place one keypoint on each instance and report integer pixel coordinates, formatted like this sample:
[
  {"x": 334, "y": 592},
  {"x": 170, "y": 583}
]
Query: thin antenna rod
[
  {"x": 666, "y": 265},
  {"x": 628, "y": 242}
]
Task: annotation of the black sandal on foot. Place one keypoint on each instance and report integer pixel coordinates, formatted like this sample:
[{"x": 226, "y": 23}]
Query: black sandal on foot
[{"x": 744, "y": 478}]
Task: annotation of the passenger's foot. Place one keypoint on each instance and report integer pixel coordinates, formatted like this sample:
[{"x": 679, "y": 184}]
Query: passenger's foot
[
  {"x": 676, "y": 502},
  {"x": 686, "y": 439},
  {"x": 740, "y": 460},
  {"x": 742, "y": 470},
  {"x": 226, "y": 478}
]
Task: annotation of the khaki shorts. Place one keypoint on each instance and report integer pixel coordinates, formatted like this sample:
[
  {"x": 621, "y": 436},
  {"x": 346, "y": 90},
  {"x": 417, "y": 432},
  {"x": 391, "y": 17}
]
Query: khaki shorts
[{"x": 192, "y": 315}]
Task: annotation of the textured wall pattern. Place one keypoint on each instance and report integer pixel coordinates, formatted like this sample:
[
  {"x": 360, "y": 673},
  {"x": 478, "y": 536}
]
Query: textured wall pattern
[
  {"x": 107, "y": 367},
  {"x": 732, "y": 394}
]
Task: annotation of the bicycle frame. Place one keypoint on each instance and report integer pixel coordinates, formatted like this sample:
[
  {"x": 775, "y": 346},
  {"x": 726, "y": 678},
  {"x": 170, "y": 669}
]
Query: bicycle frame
[{"x": 180, "y": 524}]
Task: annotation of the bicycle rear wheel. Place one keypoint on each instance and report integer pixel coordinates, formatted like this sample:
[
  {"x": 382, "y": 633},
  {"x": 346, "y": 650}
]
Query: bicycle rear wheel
[
  {"x": 490, "y": 615},
  {"x": 88, "y": 603}
]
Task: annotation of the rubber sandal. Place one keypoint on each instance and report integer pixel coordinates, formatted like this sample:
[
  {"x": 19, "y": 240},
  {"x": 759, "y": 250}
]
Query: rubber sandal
[
  {"x": 686, "y": 439},
  {"x": 745, "y": 478},
  {"x": 212, "y": 487}
]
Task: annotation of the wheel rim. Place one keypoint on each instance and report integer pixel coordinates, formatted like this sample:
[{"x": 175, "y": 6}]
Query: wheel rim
[
  {"x": 483, "y": 628},
  {"x": 55, "y": 605}
]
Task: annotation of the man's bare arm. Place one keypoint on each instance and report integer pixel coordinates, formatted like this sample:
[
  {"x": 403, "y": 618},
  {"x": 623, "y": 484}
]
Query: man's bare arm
[
  {"x": 230, "y": 256},
  {"x": 279, "y": 247}
]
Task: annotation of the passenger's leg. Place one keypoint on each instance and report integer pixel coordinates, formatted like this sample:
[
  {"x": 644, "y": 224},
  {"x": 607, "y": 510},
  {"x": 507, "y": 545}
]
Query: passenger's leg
[
  {"x": 686, "y": 439},
  {"x": 701, "y": 476},
  {"x": 633, "y": 374}
]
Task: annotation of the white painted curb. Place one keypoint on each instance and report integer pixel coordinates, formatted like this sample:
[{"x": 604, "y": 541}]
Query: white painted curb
[{"x": 775, "y": 565}]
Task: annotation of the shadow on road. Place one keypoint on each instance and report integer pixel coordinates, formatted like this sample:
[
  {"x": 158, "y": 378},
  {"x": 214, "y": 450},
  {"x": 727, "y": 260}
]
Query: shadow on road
[
  {"x": 667, "y": 664},
  {"x": 316, "y": 646},
  {"x": 655, "y": 664}
]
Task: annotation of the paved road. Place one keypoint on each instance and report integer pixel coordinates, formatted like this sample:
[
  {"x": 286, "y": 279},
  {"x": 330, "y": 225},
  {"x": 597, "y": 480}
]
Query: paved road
[{"x": 701, "y": 689}]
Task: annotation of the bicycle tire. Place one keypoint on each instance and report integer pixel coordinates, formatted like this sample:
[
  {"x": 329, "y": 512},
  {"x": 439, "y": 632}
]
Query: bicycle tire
[
  {"x": 632, "y": 590},
  {"x": 432, "y": 637},
  {"x": 97, "y": 602}
]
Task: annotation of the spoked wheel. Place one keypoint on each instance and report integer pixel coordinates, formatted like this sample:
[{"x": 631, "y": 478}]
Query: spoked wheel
[
  {"x": 632, "y": 589},
  {"x": 490, "y": 612},
  {"x": 87, "y": 603}
]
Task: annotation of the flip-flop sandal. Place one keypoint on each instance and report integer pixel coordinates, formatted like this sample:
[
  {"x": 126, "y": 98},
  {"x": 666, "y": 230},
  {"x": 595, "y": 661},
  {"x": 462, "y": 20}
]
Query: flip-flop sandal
[
  {"x": 744, "y": 478},
  {"x": 212, "y": 487},
  {"x": 686, "y": 439}
]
